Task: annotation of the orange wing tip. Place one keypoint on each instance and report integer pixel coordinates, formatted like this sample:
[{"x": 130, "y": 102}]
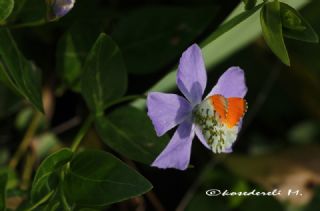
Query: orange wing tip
[{"x": 237, "y": 107}]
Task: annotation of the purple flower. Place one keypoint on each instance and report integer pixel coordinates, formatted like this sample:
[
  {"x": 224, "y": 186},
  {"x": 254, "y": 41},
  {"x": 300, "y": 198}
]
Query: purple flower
[
  {"x": 61, "y": 7},
  {"x": 215, "y": 120}
]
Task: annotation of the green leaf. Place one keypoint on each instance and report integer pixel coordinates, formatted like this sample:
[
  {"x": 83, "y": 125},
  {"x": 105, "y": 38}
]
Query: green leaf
[
  {"x": 272, "y": 30},
  {"x": 28, "y": 12},
  {"x": 295, "y": 26},
  {"x": 225, "y": 27},
  {"x": 3, "y": 185},
  {"x": 121, "y": 130},
  {"x": 72, "y": 50},
  {"x": 104, "y": 76},
  {"x": 158, "y": 35},
  {"x": 249, "y": 4},
  {"x": 9, "y": 102},
  {"x": 22, "y": 75},
  {"x": 97, "y": 178},
  {"x": 6, "y": 7},
  {"x": 47, "y": 175}
]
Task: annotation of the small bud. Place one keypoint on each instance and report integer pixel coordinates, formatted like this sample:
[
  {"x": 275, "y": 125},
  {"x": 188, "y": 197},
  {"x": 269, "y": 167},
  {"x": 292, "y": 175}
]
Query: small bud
[{"x": 59, "y": 8}]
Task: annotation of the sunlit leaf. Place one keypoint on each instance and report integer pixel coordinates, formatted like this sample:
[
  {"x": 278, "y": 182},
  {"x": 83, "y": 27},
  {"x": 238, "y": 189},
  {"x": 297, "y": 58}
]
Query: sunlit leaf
[
  {"x": 225, "y": 27},
  {"x": 97, "y": 178}
]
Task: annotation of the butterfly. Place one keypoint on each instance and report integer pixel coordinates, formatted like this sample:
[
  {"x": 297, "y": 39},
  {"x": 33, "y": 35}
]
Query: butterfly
[{"x": 218, "y": 118}]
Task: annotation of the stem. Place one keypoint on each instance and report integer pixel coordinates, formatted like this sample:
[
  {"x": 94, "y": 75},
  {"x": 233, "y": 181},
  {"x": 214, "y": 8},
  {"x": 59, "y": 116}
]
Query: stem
[
  {"x": 26, "y": 140},
  {"x": 61, "y": 192},
  {"x": 41, "y": 201},
  {"x": 124, "y": 99},
  {"x": 82, "y": 132},
  {"x": 29, "y": 24},
  {"x": 27, "y": 172}
]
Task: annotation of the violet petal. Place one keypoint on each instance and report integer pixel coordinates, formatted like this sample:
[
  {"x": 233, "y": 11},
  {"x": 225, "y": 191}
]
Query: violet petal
[
  {"x": 231, "y": 84},
  {"x": 201, "y": 137},
  {"x": 167, "y": 110},
  {"x": 177, "y": 152},
  {"x": 192, "y": 76}
]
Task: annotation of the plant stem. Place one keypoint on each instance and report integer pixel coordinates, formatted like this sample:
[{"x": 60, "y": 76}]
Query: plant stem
[
  {"x": 63, "y": 199},
  {"x": 26, "y": 140},
  {"x": 41, "y": 201},
  {"x": 27, "y": 172},
  {"x": 29, "y": 24},
  {"x": 82, "y": 132}
]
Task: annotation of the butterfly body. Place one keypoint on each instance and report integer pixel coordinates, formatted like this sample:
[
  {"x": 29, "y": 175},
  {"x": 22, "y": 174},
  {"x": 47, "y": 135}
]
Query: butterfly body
[{"x": 218, "y": 118}]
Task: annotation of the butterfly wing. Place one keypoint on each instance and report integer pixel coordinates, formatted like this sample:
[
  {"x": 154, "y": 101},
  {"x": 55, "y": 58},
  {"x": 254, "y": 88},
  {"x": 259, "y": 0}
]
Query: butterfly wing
[
  {"x": 237, "y": 107},
  {"x": 218, "y": 117}
]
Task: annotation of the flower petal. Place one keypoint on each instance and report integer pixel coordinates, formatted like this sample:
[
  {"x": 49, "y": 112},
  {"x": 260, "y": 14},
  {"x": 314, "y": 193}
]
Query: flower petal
[
  {"x": 231, "y": 84},
  {"x": 177, "y": 152},
  {"x": 228, "y": 150},
  {"x": 62, "y": 7},
  {"x": 167, "y": 110},
  {"x": 192, "y": 76},
  {"x": 201, "y": 137}
]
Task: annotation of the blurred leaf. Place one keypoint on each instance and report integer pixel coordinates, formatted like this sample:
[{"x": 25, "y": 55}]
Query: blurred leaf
[
  {"x": 249, "y": 4},
  {"x": 295, "y": 168},
  {"x": 97, "y": 178},
  {"x": 9, "y": 102},
  {"x": 45, "y": 143},
  {"x": 104, "y": 78},
  {"x": 73, "y": 48},
  {"x": 157, "y": 35},
  {"x": 12, "y": 178},
  {"x": 202, "y": 202},
  {"x": 129, "y": 131},
  {"x": 240, "y": 186},
  {"x": 305, "y": 132},
  {"x": 272, "y": 30},
  {"x": 23, "y": 76},
  {"x": 27, "y": 12},
  {"x": 225, "y": 27},
  {"x": 254, "y": 203},
  {"x": 47, "y": 176},
  {"x": 314, "y": 204},
  {"x": 6, "y": 7},
  {"x": 3, "y": 184},
  {"x": 295, "y": 26},
  {"x": 24, "y": 118}
]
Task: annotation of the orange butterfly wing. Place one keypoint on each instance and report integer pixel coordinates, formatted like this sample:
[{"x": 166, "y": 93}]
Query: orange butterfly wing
[
  {"x": 230, "y": 110},
  {"x": 237, "y": 107},
  {"x": 220, "y": 105}
]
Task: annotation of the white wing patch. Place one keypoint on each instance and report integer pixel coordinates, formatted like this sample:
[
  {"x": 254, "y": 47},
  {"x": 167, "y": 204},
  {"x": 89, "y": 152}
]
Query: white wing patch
[{"x": 218, "y": 136}]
